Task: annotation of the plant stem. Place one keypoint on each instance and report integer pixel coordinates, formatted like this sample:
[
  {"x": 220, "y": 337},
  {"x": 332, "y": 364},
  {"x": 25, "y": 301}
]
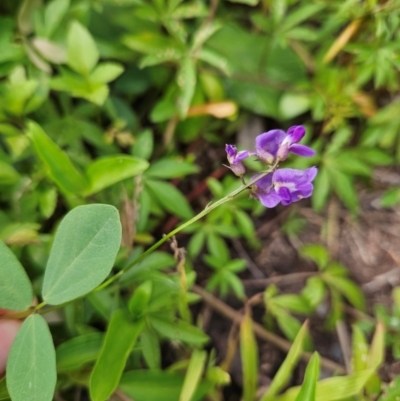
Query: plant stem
[{"x": 203, "y": 213}]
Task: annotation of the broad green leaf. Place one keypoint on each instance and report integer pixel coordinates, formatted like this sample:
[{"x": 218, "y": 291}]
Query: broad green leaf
[
  {"x": 249, "y": 357},
  {"x": 83, "y": 252},
  {"x": 15, "y": 288},
  {"x": 53, "y": 15},
  {"x": 106, "y": 72},
  {"x": 82, "y": 51},
  {"x": 58, "y": 164},
  {"x": 169, "y": 168},
  {"x": 193, "y": 375},
  {"x": 179, "y": 330},
  {"x": 150, "y": 385},
  {"x": 170, "y": 198},
  {"x": 186, "y": 80},
  {"x": 334, "y": 388},
  {"x": 119, "y": 340},
  {"x": 31, "y": 365},
  {"x": 293, "y": 104},
  {"x": 307, "y": 391},
  {"x": 144, "y": 145},
  {"x": 78, "y": 351},
  {"x": 8, "y": 174},
  {"x": 106, "y": 171},
  {"x": 286, "y": 369}
]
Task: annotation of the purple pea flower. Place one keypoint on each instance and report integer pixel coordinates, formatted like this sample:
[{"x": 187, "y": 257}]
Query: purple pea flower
[
  {"x": 235, "y": 159},
  {"x": 292, "y": 185},
  {"x": 285, "y": 185},
  {"x": 276, "y": 144},
  {"x": 264, "y": 191}
]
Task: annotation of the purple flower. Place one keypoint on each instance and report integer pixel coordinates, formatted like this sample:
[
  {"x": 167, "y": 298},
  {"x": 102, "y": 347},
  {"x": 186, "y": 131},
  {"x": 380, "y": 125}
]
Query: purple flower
[
  {"x": 276, "y": 144},
  {"x": 292, "y": 185},
  {"x": 285, "y": 185},
  {"x": 264, "y": 191},
  {"x": 235, "y": 159}
]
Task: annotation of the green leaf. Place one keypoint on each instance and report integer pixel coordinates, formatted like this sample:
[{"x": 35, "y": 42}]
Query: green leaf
[
  {"x": 8, "y": 174},
  {"x": 15, "y": 288},
  {"x": 289, "y": 325},
  {"x": 377, "y": 351},
  {"x": 83, "y": 252},
  {"x": 346, "y": 287},
  {"x": 334, "y": 388},
  {"x": 193, "y": 375},
  {"x": 144, "y": 145},
  {"x": 344, "y": 188},
  {"x": 169, "y": 168},
  {"x": 151, "y": 348},
  {"x": 321, "y": 189},
  {"x": 59, "y": 166},
  {"x": 3, "y": 390},
  {"x": 186, "y": 80},
  {"x": 106, "y": 171},
  {"x": 31, "y": 365},
  {"x": 140, "y": 299},
  {"x": 179, "y": 330},
  {"x": 286, "y": 369},
  {"x": 392, "y": 392},
  {"x": 317, "y": 253},
  {"x": 53, "y": 15},
  {"x": 307, "y": 391},
  {"x": 119, "y": 340},
  {"x": 106, "y": 72},
  {"x": 74, "y": 353},
  {"x": 247, "y": 2},
  {"x": 148, "y": 385},
  {"x": 359, "y": 361},
  {"x": 82, "y": 51},
  {"x": 170, "y": 198},
  {"x": 249, "y": 357},
  {"x": 293, "y": 104}
]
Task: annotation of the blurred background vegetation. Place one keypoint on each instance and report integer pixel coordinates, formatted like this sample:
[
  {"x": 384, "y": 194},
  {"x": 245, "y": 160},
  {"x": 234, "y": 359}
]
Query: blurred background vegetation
[{"x": 91, "y": 89}]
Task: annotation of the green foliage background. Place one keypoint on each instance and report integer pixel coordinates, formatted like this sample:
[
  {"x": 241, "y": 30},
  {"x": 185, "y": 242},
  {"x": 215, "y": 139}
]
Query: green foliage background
[{"x": 103, "y": 101}]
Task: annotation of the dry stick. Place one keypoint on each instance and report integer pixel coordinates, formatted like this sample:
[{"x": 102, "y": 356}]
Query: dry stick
[
  {"x": 284, "y": 345},
  {"x": 284, "y": 279}
]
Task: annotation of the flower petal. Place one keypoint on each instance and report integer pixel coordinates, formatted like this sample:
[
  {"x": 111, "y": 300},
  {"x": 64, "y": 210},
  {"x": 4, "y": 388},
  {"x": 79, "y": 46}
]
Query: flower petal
[
  {"x": 243, "y": 154},
  {"x": 270, "y": 199},
  {"x": 311, "y": 173},
  {"x": 285, "y": 176},
  {"x": 230, "y": 150},
  {"x": 296, "y": 133},
  {"x": 302, "y": 150},
  {"x": 270, "y": 141},
  {"x": 285, "y": 194}
]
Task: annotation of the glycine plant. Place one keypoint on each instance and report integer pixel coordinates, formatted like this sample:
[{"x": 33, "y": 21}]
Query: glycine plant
[{"x": 82, "y": 256}]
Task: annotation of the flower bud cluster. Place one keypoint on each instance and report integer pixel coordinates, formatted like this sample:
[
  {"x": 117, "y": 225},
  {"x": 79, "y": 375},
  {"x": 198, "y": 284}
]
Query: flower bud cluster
[{"x": 284, "y": 185}]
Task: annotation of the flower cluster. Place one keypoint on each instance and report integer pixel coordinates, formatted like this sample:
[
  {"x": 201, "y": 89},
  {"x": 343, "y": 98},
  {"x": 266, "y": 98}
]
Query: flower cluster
[{"x": 284, "y": 185}]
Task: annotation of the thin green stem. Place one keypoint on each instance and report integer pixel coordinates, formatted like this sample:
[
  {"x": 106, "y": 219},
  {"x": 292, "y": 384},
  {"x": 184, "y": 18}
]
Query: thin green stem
[{"x": 203, "y": 213}]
